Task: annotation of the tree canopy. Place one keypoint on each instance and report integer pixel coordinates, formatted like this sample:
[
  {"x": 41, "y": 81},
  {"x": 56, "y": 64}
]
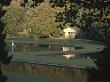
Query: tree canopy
[
  {"x": 92, "y": 16},
  {"x": 13, "y": 19},
  {"x": 39, "y": 20},
  {"x": 37, "y": 16}
]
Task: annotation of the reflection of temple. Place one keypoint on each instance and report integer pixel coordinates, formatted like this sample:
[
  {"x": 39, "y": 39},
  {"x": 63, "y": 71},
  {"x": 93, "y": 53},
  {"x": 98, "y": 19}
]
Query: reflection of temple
[
  {"x": 68, "y": 56},
  {"x": 68, "y": 48}
]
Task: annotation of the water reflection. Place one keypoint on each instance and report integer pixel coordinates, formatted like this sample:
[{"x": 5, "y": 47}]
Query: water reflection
[
  {"x": 12, "y": 46},
  {"x": 102, "y": 73},
  {"x": 3, "y": 78},
  {"x": 68, "y": 48},
  {"x": 39, "y": 49},
  {"x": 61, "y": 73},
  {"x": 33, "y": 47},
  {"x": 68, "y": 56},
  {"x": 4, "y": 58}
]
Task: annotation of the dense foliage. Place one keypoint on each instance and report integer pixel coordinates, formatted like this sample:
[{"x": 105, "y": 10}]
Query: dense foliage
[
  {"x": 48, "y": 17},
  {"x": 37, "y": 21},
  {"x": 92, "y": 16}
]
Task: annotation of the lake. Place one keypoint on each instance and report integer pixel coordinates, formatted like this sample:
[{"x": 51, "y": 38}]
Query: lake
[
  {"x": 48, "y": 61},
  {"x": 51, "y": 49},
  {"x": 21, "y": 72}
]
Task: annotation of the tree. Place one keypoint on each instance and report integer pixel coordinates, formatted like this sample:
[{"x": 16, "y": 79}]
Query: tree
[
  {"x": 38, "y": 21},
  {"x": 41, "y": 21},
  {"x": 30, "y": 3},
  {"x": 3, "y": 52},
  {"x": 92, "y": 16},
  {"x": 13, "y": 19}
]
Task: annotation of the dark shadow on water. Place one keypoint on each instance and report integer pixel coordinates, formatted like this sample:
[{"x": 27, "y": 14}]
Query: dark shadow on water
[
  {"x": 4, "y": 58},
  {"x": 102, "y": 73},
  {"x": 3, "y": 78}
]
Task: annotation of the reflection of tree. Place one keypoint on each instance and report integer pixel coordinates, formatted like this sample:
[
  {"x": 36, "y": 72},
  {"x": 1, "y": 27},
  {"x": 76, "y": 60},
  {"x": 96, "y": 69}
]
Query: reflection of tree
[
  {"x": 3, "y": 78},
  {"x": 3, "y": 57},
  {"x": 103, "y": 67},
  {"x": 61, "y": 73}
]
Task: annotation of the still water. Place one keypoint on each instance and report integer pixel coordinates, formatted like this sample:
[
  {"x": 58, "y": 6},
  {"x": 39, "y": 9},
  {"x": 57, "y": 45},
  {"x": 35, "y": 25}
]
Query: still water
[
  {"x": 39, "y": 49},
  {"x": 21, "y": 72},
  {"x": 42, "y": 47}
]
